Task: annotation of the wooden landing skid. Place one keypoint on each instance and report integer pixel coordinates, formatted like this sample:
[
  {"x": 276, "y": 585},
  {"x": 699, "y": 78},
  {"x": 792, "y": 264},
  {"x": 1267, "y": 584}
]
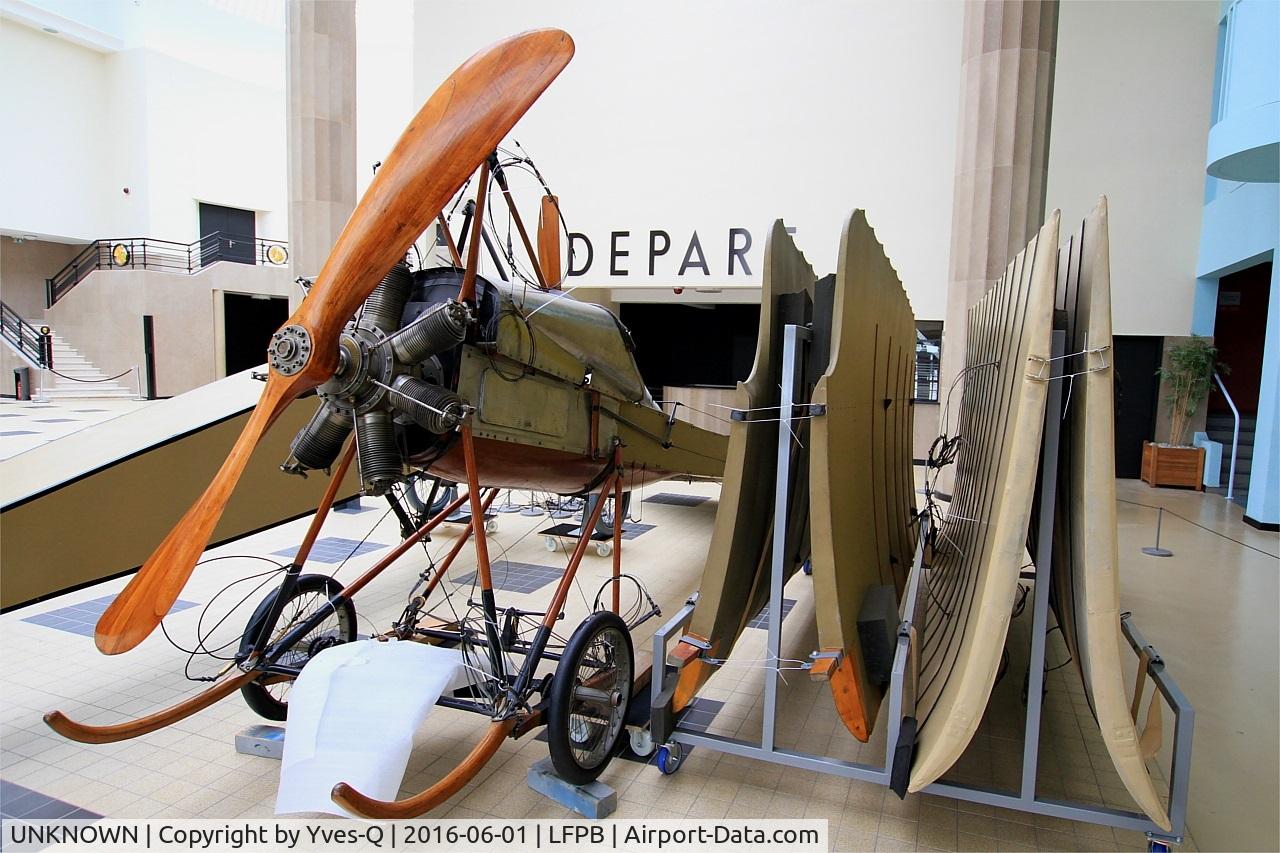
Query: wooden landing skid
[
  {"x": 71, "y": 730},
  {"x": 367, "y": 807},
  {"x": 358, "y": 804}
]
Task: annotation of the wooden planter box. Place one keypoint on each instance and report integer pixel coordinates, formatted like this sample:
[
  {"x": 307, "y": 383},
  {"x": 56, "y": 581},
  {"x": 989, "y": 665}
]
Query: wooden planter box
[{"x": 1173, "y": 466}]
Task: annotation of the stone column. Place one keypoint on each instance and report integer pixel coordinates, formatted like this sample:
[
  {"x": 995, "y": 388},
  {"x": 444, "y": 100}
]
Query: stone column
[
  {"x": 1006, "y": 95},
  {"x": 321, "y": 97}
]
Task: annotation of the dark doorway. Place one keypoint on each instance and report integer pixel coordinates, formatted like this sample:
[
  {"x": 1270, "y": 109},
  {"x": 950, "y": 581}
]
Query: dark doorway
[
  {"x": 226, "y": 234},
  {"x": 248, "y": 324},
  {"x": 680, "y": 345},
  {"x": 1137, "y": 389},
  {"x": 1240, "y": 334}
]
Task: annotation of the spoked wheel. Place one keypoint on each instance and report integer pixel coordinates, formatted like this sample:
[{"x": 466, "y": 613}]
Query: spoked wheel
[
  {"x": 268, "y": 695},
  {"x": 589, "y": 697}
]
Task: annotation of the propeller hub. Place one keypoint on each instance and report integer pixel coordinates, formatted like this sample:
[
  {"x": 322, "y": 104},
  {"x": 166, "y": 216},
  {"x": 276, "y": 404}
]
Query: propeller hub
[
  {"x": 366, "y": 367},
  {"x": 290, "y": 350}
]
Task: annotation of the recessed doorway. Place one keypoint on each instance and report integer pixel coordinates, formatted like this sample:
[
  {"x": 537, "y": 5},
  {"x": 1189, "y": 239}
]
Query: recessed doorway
[{"x": 249, "y": 321}]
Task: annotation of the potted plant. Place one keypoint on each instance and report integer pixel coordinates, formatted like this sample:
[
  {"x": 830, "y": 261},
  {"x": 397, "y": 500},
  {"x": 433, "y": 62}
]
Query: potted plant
[{"x": 1188, "y": 380}]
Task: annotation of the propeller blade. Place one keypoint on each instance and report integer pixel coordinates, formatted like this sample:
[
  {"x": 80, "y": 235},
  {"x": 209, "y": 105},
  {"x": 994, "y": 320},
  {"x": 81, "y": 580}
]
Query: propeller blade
[
  {"x": 137, "y": 610},
  {"x": 451, "y": 136}
]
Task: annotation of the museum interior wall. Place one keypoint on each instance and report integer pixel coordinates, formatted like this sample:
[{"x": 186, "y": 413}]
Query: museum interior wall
[
  {"x": 173, "y": 131},
  {"x": 185, "y": 311},
  {"x": 785, "y": 148},
  {"x": 1131, "y": 118}
]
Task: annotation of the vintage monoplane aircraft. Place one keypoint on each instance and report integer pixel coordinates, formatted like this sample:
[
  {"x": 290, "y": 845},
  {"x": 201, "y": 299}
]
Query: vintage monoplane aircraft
[{"x": 443, "y": 373}]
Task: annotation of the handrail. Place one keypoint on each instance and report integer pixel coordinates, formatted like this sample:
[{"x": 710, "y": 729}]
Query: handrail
[
  {"x": 1235, "y": 437},
  {"x": 149, "y": 253},
  {"x": 27, "y": 339}
]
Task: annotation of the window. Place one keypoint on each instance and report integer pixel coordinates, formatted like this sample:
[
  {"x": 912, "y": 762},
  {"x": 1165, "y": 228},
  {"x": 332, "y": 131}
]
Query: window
[{"x": 928, "y": 359}]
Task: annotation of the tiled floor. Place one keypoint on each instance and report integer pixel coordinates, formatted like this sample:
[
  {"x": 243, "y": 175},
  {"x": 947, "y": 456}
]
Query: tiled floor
[
  {"x": 81, "y": 618},
  {"x": 1210, "y": 609},
  {"x": 28, "y": 424},
  {"x": 17, "y": 801}
]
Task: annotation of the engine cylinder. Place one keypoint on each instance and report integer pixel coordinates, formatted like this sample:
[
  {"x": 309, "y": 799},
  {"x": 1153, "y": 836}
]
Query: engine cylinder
[
  {"x": 385, "y": 306},
  {"x": 318, "y": 443},
  {"x": 442, "y": 327},
  {"x": 380, "y": 463},
  {"x": 433, "y": 408}
]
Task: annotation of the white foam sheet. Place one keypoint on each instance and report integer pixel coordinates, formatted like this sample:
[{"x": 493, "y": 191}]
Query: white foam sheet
[{"x": 353, "y": 712}]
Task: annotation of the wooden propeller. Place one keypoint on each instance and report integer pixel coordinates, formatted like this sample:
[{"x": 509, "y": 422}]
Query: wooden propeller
[{"x": 448, "y": 139}]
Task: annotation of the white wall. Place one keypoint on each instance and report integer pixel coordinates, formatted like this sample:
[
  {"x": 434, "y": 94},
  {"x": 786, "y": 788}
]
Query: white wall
[
  {"x": 715, "y": 115},
  {"x": 54, "y": 104},
  {"x": 189, "y": 109},
  {"x": 213, "y": 138},
  {"x": 384, "y": 80},
  {"x": 1131, "y": 109}
]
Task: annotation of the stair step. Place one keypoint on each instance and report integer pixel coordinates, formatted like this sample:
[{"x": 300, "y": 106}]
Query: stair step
[
  {"x": 81, "y": 379},
  {"x": 1223, "y": 438},
  {"x": 1228, "y": 423},
  {"x": 71, "y": 366},
  {"x": 78, "y": 394}
]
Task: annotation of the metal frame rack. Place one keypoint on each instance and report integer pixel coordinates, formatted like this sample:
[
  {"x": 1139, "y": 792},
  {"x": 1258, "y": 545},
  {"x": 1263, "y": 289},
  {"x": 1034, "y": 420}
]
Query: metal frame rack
[{"x": 667, "y": 730}]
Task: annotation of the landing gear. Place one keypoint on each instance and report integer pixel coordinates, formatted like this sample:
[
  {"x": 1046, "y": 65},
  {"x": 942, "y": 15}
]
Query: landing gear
[
  {"x": 589, "y": 697},
  {"x": 268, "y": 694}
]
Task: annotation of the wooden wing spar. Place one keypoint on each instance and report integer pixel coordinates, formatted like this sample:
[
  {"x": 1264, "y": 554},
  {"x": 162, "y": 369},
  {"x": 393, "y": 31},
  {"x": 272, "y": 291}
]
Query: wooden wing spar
[
  {"x": 1086, "y": 582},
  {"x": 735, "y": 575},
  {"x": 973, "y": 579},
  {"x": 862, "y": 495},
  {"x": 452, "y": 135}
]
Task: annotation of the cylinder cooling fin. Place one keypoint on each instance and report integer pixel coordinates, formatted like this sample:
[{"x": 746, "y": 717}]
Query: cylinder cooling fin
[
  {"x": 442, "y": 327},
  {"x": 385, "y": 305},
  {"x": 431, "y": 407},
  {"x": 379, "y": 455},
  {"x": 318, "y": 444}
]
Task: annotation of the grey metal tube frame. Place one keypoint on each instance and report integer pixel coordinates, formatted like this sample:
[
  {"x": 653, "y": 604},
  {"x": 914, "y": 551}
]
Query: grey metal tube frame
[{"x": 665, "y": 726}]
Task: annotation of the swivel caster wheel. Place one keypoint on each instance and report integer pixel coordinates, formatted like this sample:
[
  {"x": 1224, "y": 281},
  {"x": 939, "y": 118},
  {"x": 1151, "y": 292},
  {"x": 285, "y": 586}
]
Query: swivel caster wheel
[
  {"x": 604, "y": 548},
  {"x": 491, "y": 526},
  {"x": 641, "y": 741},
  {"x": 670, "y": 756},
  {"x": 549, "y": 543}
]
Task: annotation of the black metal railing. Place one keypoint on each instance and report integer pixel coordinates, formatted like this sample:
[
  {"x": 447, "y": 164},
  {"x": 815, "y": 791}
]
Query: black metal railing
[
  {"x": 26, "y": 338},
  {"x": 927, "y": 370},
  {"x": 147, "y": 253}
]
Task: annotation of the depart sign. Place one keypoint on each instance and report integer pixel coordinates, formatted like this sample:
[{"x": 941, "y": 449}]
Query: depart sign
[{"x": 733, "y": 254}]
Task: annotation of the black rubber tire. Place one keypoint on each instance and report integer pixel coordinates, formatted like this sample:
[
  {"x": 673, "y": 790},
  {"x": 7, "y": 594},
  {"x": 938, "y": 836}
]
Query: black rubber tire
[
  {"x": 259, "y": 697},
  {"x": 562, "y": 705}
]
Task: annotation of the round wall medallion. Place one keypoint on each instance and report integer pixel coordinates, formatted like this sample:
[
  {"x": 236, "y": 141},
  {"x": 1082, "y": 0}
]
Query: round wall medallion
[
  {"x": 120, "y": 255},
  {"x": 277, "y": 255}
]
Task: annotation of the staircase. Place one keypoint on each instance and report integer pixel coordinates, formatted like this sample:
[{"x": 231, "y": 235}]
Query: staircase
[
  {"x": 80, "y": 379},
  {"x": 1220, "y": 428}
]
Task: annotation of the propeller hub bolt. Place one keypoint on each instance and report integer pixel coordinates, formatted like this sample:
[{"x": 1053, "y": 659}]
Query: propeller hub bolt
[{"x": 290, "y": 350}]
